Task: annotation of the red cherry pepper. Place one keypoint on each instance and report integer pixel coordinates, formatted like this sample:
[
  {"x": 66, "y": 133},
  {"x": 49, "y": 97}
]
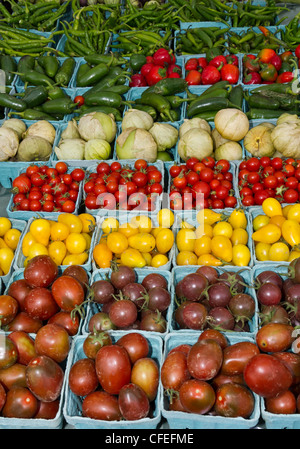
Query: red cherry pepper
[
  {"x": 251, "y": 65},
  {"x": 193, "y": 78},
  {"x": 266, "y": 55},
  {"x": 157, "y": 73},
  {"x": 252, "y": 78},
  {"x": 210, "y": 75},
  {"x": 162, "y": 57},
  {"x": 232, "y": 59},
  {"x": 150, "y": 59},
  {"x": 174, "y": 68},
  {"x": 191, "y": 64},
  {"x": 174, "y": 75},
  {"x": 250, "y": 56},
  {"x": 218, "y": 61},
  {"x": 230, "y": 73},
  {"x": 202, "y": 63},
  {"x": 297, "y": 51},
  {"x": 145, "y": 69},
  {"x": 285, "y": 77},
  {"x": 276, "y": 61},
  {"x": 138, "y": 80}
]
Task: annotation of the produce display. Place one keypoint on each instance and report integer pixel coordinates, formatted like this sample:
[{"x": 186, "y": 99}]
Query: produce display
[{"x": 150, "y": 244}]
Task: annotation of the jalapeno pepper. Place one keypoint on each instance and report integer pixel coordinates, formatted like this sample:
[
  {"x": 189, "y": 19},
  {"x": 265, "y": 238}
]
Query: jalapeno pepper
[
  {"x": 65, "y": 72},
  {"x": 158, "y": 102},
  {"x": 62, "y": 106},
  {"x": 93, "y": 75},
  {"x": 11, "y": 102},
  {"x": 35, "y": 96}
]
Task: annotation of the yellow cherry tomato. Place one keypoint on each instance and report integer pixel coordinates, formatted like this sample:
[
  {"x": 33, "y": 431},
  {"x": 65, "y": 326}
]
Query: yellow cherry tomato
[
  {"x": 88, "y": 239},
  {"x": 75, "y": 243},
  {"x": 185, "y": 240},
  {"x": 239, "y": 235},
  {"x": 205, "y": 229},
  {"x": 37, "y": 249},
  {"x": 12, "y": 237},
  {"x": 2, "y": 243},
  {"x": 291, "y": 232},
  {"x": 73, "y": 221},
  {"x": 40, "y": 229},
  {"x": 6, "y": 258},
  {"x": 294, "y": 213},
  {"x": 159, "y": 260},
  {"x": 271, "y": 207},
  {"x": 223, "y": 228},
  {"x": 221, "y": 247},
  {"x": 57, "y": 251},
  {"x": 148, "y": 258},
  {"x": 128, "y": 229},
  {"x": 102, "y": 255},
  {"x": 59, "y": 231},
  {"x": 164, "y": 240},
  {"x": 27, "y": 241},
  {"x": 262, "y": 251},
  {"x": 278, "y": 220},
  {"x": 165, "y": 218},
  {"x": 117, "y": 242},
  {"x": 208, "y": 216},
  {"x": 143, "y": 242},
  {"x": 186, "y": 258},
  {"x": 155, "y": 231},
  {"x": 279, "y": 251},
  {"x": 186, "y": 225},
  {"x": 269, "y": 233},
  {"x": 76, "y": 259},
  {"x": 110, "y": 224},
  {"x": 202, "y": 245},
  {"x": 286, "y": 209},
  {"x": 5, "y": 225},
  {"x": 209, "y": 259},
  {"x": 241, "y": 255},
  {"x": 88, "y": 222},
  {"x": 293, "y": 255},
  {"x": 143, "y": 222},
  {"x": 259, "y": 221},
  {"x": 238, "y": 219},
  {"x": 133, "y": 258}
]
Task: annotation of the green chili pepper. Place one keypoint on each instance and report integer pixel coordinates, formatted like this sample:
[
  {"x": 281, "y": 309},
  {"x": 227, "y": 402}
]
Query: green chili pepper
[{"x": 65, "y": 72}]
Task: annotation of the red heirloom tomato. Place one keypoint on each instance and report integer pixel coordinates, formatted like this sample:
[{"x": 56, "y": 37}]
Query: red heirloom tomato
[
  {"x": 133, "y": 402},
  {"x": 101, "y": 405},
  {"x": 40, "y": 271},
  {"x": 67, "y": 292},
  {"x": 113, "y": 368},
  {"x": 44, "y": 378},
  {"x": 83, "y": 379},
  {"x": 197, "y": 396},
  {"x": 20, "y": 403}
]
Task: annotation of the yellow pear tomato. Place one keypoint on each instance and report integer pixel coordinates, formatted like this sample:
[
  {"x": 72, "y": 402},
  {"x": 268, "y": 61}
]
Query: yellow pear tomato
[
  {"x": 27, "y": 241},
  {"x": 102, "y": 255},
  {"x": 6, "y": 258},
  {"x": 37, "y": 249},
  {"x": 76, "y": 259},
  {"x": 259, "y": 221},
  {"x": 285, "y": 210},
  {"x": 75, "y": 243},
  {"x": 269, "y": 233},
  {"x": 239, "y": 236},
  {"x": 186, "y": 225},
  {"x": 164, "y": 240},
  {"x": 12, "y": 237},
  {"x": 117, "y": 242},
  {"x": 40, "y": 228},
  {"x": 165, "y": 218},
  {"x": 279, "y": 251},
  {"x": 159, "y": 260},
  {"x": 128, "y": 229},
  {"x": 202, "y": 245},
  {"x": 223, "y": 228},
  {"x": 133, "y": 258},
  {"x": 291, "y": 232},
  {"x": 241, "y": 255},
  {"x": 278, "y": 220},
  {"x": 88, "y": 239},
  {"x": 2, "y": 243},
  {"x": 262, "y": 251},
  {"x": 57, "y": 251},
  {"x": 186, "y": 258},
  {"x": 88, "y": 222},
  {"x": 293, "y": 255},
  {"x": 238, "y": 219},
  {"x": 185, "y": 240},
  {"x": 143, "y": 242},
  {"x": 110, "y": 224},
  {"x": 205, "y": 229},
  {"x": 293, "y": 212},
  {"x": 210, "y": 260},
  {"x": 208, "y": 216},
  {"x": 221, "y": 247},
  {"x": 5, "y": 225},
  {"x": 148, "y": 258},
  {"x": 271, "y": 207},
  {"x": 143, "y": 222},
  {"x": 59, "y": 231},
  {"x": 71, "y": 220}
]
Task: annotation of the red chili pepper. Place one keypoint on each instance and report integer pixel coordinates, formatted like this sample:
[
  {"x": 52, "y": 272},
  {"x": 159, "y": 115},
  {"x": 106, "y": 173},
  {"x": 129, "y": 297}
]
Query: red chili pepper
[
  {"x": 252, "y": 78},
  {"x": 297, "y": 51},
  {"x": 218, "y": 61},
  {"x": 285, "y": 77},
  {"x": 145, "y": 69},
  {"x": 138, "y": 80},
  {"x": 266, "y": 55},
  {"x": 232, "y": 59},
  {"x": 174, "y": 68},
  {"x": 162, "y": 57},
  {"x": 157, "y": 73},
  {"x": 268, "y": 73},
  {"x": 202, "y": 63},
  {"x": 230, "y": 73},
  {"x": 264, "y": 30},
  {"x": 210, "y": 75},
  {"x": 276, "y": 61},
  {"x": 193, "y": 78},
  {"x": 191, "y": 64}
]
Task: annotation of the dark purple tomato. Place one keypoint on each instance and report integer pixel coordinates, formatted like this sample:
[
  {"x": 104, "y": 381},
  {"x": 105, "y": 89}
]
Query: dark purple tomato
[
  {"x": 267, "y": 376},
  {"x": 269, "y": 294},
  {"x": 242, "y": 305},
  {"x": 47, "y": 410},
  {"x": 214, "y": 334},
  {"x": 269, "y": 277},
  {"x": 24, "y": 322},
  {"x": 102, "y": 291},
  {"x": 40, "y": 304},
  {"x": 274, "y": 337},
  {"x": 154, "y": 322},
  {"x": 20, "y": 403},
  {"x": 133, "y": 402},
  {"x": 136, "y": 345},
  {"x": 154, "y": 280},
  {"x": 194, "y": 315},
  {"x": 40, "y": 271},
  {"x": 65, "y": 319},
  {"x": 8, "y": 309},
  {"x": 284, "y": 403},
  {"x": 222, "y": 318},
  {"x": 14, "y": 376},
  {"x": 113, "y": 368},
  {"x": 53, "y": 341},
  {"x": 210, "y": 273},
  {"x": 222, "y": 379},
  {"x": 8, "y": 352},
  {"x": 236, "y": 357},
  {"x": 292, "y": 361},
  {"x": 100, "y": 322},
  {"x": 123, "y": 313},
  {"x": 101, "y": 405},
  {"x": 234, "y": 281},
  {"x": 158, "y": 299},
  {"x": 94, "y": 341},
  {"x": 205, "y": 359},
  {"x": 121, "y": 276},
  {"x": 44, "y": 378},
  {"x": 274, "y": 314},
  {"x": 83, "y": 378},
  {"x": 219, "y": 295},
  {"x": 174, "y": 371},
  {"x": 78, "y": 273},
  {"x": 136, "y": 293},
  {"x": 25, "y": 346},
  {"x": 192, "y": 286},
  {"x": 2, "y": 396},
  {"x": 293, "y": 294},
  {"x": 197, "y": 396},
  {"x": 178, "y": 315},
  {"x": 19, "y": 289},
  {"x": 234, "y": 400}
]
